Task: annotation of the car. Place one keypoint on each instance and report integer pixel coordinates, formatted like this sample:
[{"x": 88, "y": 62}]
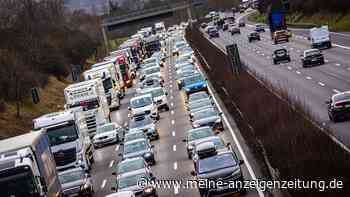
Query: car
[
  {"x": 151, "y": 60},
  {"x": 178, "y": 46},
  {"x": 130, "y": 182},
  {"x": 199, "y": 104},
  {"x": 186, "y": 50},
  {"x": 197, "y": 96},
  {"x": 339, "y": 106},
  {"x": 207, "y": 117},
  {"x": 209, "y": 27},
  {"x": 260, "y": 27},
  {"x": 139, "y": 148},
  {"x": 130, "y": 165},
  {"x": 202, "y": 148},
  {"x": 143, "y": 104},
  {"x": 185, "y": 68},
  {"x": 122, "y": 194},
  {"x": 148, "y": 65},
  {"x": 204, "y": 25},
  {"x": 159, "y": 97},
  {"x": 134, "y": 136},
  {"x": 143, "y": 123},
  {"x": 76, "y": 182},
  {"x": 150, "y": 82},
  {"x": 241, "y": 24},
  {"x": 107, "y": 134},
  {"x": 280, "y": 55},
  {"x": 185, "y": 58},
  {"x": 149, "y": 71},
  {"x": 195, "y": 136},
  {"x": 312, "y": 57},
  {"x": 213, "y": 32},
  {"x": 224, "y": 166},
  {"x": 194, "y": 84},
  {"x": 235, "y": 30},
  {"x": 280, "y": 36},
  {"x": 253, "y": 36}
]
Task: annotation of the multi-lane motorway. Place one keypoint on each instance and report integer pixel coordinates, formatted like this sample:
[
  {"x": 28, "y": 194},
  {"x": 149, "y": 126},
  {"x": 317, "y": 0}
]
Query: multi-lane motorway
[
  {"x": 171, "y": 156},
  {"x": 311, "y": 86}
]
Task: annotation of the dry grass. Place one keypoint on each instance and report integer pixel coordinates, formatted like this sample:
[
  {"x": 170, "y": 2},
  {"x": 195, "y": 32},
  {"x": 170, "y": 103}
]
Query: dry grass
[{"x": 51, "y": 100}]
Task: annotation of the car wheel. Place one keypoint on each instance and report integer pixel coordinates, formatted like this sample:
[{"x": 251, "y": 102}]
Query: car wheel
[
  {"x": 274, "y": 62},
  {"x": 322, "y": 62},
  {"x": 289, "y": 59},
  {"x": 158, "y": 117},
  {"x": 167, "y": 108}
]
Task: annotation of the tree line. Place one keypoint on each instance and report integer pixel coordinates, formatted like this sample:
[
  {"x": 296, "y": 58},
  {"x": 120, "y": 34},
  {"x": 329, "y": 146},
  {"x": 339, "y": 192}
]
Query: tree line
[{"x": 39, "y": 39}]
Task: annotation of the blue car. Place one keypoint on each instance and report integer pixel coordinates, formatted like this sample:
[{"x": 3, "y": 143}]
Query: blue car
[{"x": 194, "y": 83}]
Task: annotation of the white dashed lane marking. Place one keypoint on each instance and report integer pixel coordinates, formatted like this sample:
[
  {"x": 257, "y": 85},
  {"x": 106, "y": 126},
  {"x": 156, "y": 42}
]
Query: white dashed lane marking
[
  {"x": 103, "y": 183},
  {"x": 308, "y": 78},
  {"x": 175, "y": 165},
  {"x": 174, "y": 148},
  {"x": 321, "y": 84},
  {"x": 173, "y": 133},
  {"x": 172, "y": 122},
  {"x": 111, "y": 163}
]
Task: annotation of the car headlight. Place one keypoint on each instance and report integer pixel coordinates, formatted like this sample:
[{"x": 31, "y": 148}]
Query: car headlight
[
  {"x": 190, "y": 147},
  {"x": 148, "y": 155},
  {"x": 148, "y": 190},
  {"x": 187, "y": 89},
  {"x": 84, "y": 187},
  {"x": 204, "y": 85},
  {"x": 196, "y": 125}
]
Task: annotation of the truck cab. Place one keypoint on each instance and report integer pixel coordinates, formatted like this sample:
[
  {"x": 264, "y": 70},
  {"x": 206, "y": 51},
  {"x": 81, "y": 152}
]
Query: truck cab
[
  {"x": 106, "y": 72},
  {"x": 89, "y": 95},
  {"x": 27, "y": 167},
  {"x": 69, "y": 139}
]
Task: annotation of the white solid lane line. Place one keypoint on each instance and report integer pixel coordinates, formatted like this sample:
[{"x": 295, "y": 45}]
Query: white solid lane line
[
  {"x": 111, "y": 164},
  {"x": 103, "y": 183}
]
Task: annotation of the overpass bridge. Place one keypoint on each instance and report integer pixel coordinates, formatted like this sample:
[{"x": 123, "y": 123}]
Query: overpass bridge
[{"x": 148, "y": 13}]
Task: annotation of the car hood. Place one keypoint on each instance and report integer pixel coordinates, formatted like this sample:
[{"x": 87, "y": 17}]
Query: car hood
[
  {"x": 206, "y": 120},
  {"x": 219, "y": 174}
]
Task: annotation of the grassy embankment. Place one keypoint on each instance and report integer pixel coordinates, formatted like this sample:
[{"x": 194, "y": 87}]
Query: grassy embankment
[
  {"x": 336, "y": 22},
  {"x": 51, "y": 100}
]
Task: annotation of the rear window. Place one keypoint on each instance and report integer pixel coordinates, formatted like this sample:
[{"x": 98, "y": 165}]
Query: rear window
[{"x": 341, "y": 97}]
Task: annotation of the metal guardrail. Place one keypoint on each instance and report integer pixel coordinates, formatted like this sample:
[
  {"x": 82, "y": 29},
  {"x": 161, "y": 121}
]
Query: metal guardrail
[{"x": 166, "y": 8}]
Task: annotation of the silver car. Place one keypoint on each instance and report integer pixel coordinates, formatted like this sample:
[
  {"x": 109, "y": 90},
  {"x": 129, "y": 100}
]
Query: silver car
[
  {"x": 75, "y": 182},
  {"x": 195, "y": 136}
]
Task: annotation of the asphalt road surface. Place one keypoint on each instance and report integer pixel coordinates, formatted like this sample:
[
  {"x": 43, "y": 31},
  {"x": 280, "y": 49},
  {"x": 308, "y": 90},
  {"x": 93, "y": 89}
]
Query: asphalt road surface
[
  {"x": 171, "y": 156},
  {"x": 311, "y": 86}
]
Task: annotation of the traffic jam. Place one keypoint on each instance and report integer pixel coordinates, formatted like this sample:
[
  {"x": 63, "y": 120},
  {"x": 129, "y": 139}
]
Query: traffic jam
[{"x": 146, "y": 73}]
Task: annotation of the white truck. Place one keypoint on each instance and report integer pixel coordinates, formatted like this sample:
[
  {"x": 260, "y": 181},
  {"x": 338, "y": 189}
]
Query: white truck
[
  {"x": 27, "y": 167},
  {"x": 91, "y": 96},
  {"x": 106, "y": 71},
  {"x": 69, "y": 138},
  {"x": 320, "y": 37}
]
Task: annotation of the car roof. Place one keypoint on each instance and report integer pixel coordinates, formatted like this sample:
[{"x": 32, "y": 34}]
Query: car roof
[{"x": 137, "y": 140}]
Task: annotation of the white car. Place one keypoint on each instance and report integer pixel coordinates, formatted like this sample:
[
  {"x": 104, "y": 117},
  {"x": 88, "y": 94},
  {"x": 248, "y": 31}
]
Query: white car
[
  {"x": 155, "y": 70},
  {"x": 107, "y": 134},
  {"x": 143, "y": 104},
  {"x": 159, "y": 97}
]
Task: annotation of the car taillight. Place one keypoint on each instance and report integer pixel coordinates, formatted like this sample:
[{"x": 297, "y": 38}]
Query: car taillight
[
  {"x": 83, "y": 103},
  {"x": 340, "y": 104}
]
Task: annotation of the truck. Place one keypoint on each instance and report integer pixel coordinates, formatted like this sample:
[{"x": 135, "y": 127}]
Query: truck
[
  {"x": 320, "y": 37},
  {"x": 27, "y": 167},
  {"x": 125, "y": 66},
  {"x": 278, "y": 26},
  {"x": 69, "y": 139},
  {"x": 90, "y": 95},
  {"x": 106, "y": 71}
]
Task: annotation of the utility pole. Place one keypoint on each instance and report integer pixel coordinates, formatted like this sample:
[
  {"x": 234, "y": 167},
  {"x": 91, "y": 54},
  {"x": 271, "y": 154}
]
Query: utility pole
[{"x": 189, "y": 12}]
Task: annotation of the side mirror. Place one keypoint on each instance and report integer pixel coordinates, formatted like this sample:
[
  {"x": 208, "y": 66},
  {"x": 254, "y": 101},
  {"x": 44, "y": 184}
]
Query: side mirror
[
  {"x": 193, "y": 173},
  {"x": 184, "y": 140},
  {"x": 166, "y": 94},
  {"x": 120, "y": 154},
  {"x": 241, "y": 162},
  {"x": 88, "y": 175},
  {"x": 113, "y": 189},
  {"x": 228, "y": 144},
  {"x": 152, "y": 146},
  {"x": 129, "y": 108},
  {"x": 114, "y": 173},
  {"x": 220, "y": 113}
]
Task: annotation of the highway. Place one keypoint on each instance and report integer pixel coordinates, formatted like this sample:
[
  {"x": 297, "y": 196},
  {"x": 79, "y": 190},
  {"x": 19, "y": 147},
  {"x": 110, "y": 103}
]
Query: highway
[
  {"x": 171, "y": 155},
  {"x": 310, "y": 86}
]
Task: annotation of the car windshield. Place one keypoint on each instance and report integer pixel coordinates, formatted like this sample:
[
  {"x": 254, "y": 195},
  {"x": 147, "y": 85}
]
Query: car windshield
[
  {"x": 216, "y": 141},
  {"x": 149, "y": 61},
  {"x": 157, "y": 92},
  {"x": 187, "y": 50},
  {"x": 204, "y": 114},
  {"x": 313, "y": 52},
  {"x": 152, "y": 70},
  {"x": 62, "y": 134},
  {"x": 200, "y": 104},
  {"x": 105, "y": 128},
  {"x": 129, "y": 181},
  {"x": 141, "y": 102},
  {"x": 71, "y": 176},
  {"x": 199, "y": 134},
  {"x": 217, "y": 162},
  {"x": 280, "y": 52},
  {"x": 139, "y": 122},
  {"x": 130, "y": 166},
  {"x": 135, "y": 147},
  {"x": 198, "y": 96},
  {"x": 193, "y": 79},
  {"x": 134, "y": 136},
  {"x": 148, "y": 65},
  {"x": 341, "y": 97},
  {"x": 212, "y": 30}
]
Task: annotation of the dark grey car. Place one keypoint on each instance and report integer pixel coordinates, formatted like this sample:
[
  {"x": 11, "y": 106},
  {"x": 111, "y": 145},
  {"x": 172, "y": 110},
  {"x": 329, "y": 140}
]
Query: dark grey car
[
  {"x": 207, "y": 117},
  {"x": 76, "y": 182},
  {"x": 139, "y": 148},
  {"x": 146, "y": 124},
  {"x": 339, "y": 106}
]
